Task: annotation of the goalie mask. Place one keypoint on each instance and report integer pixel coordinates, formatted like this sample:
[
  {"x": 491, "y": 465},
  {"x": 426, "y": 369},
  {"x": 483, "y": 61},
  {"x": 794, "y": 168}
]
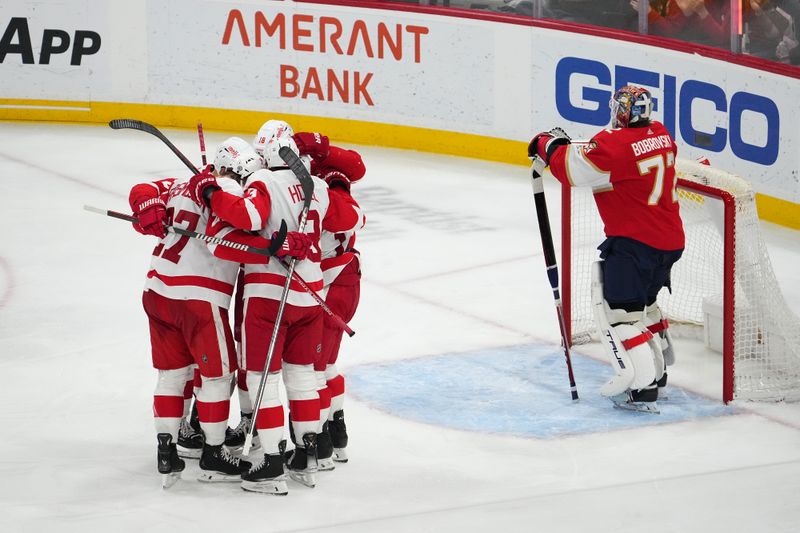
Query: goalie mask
[
  {"x": 237, "y": 156},
  {"x": 630, "y": 106}
]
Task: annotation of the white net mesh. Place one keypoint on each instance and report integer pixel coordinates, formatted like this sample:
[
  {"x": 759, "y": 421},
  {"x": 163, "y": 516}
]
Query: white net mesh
[{"x": 766, "y": 334}]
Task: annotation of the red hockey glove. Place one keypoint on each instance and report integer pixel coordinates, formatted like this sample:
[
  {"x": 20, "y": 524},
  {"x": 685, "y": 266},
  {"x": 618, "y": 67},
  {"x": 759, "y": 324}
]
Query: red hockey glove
[
  {"x": 544, "y": 144},
  {"x": 335, "y": 179},
  {"x": 202, "y": 186},
  {"x": 296, "y": 245},
  {"x": 151, "y": 212},
  {"x": 314, "y": 144}
]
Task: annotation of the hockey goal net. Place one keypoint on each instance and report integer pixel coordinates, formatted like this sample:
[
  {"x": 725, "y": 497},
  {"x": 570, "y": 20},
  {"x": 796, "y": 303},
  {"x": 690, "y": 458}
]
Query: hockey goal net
[{"x": 723, "y": 287}]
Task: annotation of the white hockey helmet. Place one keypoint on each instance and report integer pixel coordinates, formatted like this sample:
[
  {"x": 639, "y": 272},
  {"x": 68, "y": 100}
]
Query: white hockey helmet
[
  {"x": 272, "y": 148},
  {"x": 270, "y": 129},
  {"x": 237, "y": 156}
]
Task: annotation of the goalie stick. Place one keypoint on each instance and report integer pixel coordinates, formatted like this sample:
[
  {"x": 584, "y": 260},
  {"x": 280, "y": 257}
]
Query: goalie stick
[
  {"x": 550, "y": 261},
  {"x": 299, "y": 170},
  {"x": 271, "y": 250}
]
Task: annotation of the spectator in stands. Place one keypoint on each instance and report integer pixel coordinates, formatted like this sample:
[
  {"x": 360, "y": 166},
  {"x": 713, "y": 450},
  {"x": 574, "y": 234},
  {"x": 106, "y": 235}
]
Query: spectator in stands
[
  {"x": 697, "y": 21},
  {"x": 769, "y": 30}
]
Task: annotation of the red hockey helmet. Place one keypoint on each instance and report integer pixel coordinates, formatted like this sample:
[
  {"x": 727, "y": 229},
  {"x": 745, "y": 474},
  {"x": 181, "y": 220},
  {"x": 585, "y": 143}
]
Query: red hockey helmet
[{"x": 630, "y": 106}]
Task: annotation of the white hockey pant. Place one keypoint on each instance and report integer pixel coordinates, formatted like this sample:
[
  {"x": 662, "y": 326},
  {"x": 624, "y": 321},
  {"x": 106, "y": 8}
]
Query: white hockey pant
[{"x": 631, "y": 349}]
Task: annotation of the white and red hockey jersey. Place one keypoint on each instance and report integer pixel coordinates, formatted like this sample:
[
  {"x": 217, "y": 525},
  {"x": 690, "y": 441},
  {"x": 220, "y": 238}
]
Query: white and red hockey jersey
[
  {"x": 183, "y": 268},
  {"x": 284, "y": 198},
  {"x": 338, "y": 248}
]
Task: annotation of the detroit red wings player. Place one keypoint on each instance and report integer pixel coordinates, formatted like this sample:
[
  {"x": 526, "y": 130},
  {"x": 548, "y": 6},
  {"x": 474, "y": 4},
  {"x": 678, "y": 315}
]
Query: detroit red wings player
[
  {"x": 631, "y": 170},
  {"x": 341, "y": 272},
  {"x": 276, "y": 195},
  {"x": 186, "y": 298}
]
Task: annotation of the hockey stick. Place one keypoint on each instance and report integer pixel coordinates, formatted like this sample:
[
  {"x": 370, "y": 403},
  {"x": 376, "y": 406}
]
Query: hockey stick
[
  {"x": 202, "y": 140},
  {"x": 271, "y": 250},
  {"x": 307, "y": 184},
  {"x": 550, "y": 261},
  {"x": 317, "y": 298},
  {"x": 127, "y": 123}
]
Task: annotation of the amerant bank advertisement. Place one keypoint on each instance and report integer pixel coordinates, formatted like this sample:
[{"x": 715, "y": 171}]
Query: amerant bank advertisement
[
  {"x": 445, "y": 73},
  {"x": 304, "y": 59}
]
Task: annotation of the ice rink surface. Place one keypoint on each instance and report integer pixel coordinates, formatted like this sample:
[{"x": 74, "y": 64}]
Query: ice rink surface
[{"x": 458, "y": 409}]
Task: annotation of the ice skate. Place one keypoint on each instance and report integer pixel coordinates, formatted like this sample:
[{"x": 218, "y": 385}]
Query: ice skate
[
  {"x": 170, "y": 465},
  {"x": 662, "y": 387},
  {"x": 338, "y": 433},
  {"x": 235, "y": 437},
  {"x": 643, "y": 400},
  {"x": 218, "y": 465},
  {"x": 266, "y": 477},
  {"x": 325, "y": 450},
  {"x": 190, "y": 441},
  {"x": 302, "y": 461}
]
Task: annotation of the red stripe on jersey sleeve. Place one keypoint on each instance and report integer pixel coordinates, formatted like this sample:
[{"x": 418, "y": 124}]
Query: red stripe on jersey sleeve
[
  {"x": 240, "y": 237},
  {"x": 237, "y": 210},
  {"x": 343, "y": 214}
]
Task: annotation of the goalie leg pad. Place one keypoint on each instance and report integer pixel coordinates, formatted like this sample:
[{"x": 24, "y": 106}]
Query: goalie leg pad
[{"x": 627, "y": 343}]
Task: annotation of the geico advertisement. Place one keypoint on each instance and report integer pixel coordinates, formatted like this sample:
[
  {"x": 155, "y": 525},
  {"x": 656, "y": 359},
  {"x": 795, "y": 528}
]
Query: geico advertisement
[
  {"x": 383, "y": 66},
  {"x": 737, "y": 117},
  {"x": 50, "y": 49}
]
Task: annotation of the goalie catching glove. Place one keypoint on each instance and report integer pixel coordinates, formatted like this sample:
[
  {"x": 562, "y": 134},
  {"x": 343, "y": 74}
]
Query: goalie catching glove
[{"x": 545, "y": 143}]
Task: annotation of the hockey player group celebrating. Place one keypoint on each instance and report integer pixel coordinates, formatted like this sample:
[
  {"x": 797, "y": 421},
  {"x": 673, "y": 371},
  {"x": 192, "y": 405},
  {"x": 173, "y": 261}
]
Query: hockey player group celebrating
[
  {"x": 252, "y": 195},
  {"x": 245, "y": 197}
]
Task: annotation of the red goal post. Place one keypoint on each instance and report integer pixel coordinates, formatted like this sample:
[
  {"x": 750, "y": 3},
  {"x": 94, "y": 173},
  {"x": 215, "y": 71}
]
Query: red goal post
[{"x": 724, "y": 289}]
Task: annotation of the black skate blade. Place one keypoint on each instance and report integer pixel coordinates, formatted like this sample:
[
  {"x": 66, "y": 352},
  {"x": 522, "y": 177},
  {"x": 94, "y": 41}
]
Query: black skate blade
[
  {"x": 168, "y": 480},
  {"x": 276, "y": 486}
]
